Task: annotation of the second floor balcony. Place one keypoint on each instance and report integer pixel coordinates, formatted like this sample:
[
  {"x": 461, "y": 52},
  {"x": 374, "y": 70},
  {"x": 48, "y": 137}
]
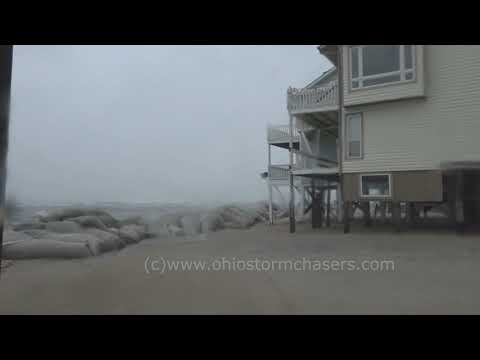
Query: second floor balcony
[{"x": 319, "y": 99}]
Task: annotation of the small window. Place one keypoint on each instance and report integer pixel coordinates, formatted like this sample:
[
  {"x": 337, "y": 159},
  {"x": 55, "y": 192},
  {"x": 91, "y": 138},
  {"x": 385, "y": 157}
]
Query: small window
[
  {"x": 375, "y": 185},
  {"x": 354, "y": 134}
]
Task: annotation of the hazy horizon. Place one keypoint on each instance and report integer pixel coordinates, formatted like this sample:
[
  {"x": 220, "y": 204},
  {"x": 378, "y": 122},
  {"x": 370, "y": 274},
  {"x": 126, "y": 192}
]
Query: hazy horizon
[{"x": 172, "y": 124}]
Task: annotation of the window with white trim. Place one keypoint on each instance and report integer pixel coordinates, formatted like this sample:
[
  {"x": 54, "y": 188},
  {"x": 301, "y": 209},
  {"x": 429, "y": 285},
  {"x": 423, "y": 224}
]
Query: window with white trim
[
  {"x": 354, "y": 134},
  {"x": 378, "y": 185},
  {"x": 372, "y": 65}
]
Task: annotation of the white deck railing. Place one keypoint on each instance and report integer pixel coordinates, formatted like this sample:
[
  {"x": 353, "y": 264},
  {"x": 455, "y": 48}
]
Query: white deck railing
[
  {"x": 281, "y": 134},
  {"x": 312, "y": 99},
  {"x": 279, "y": 172}
]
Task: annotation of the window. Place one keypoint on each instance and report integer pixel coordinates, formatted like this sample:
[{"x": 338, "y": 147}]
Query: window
[
  {"x": 354, "y": 134},
  {"x": 372, "y": 65},
  {"x": 375, "y": 186}
]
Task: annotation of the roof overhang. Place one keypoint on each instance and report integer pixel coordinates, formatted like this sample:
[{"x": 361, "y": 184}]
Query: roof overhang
[
  {"x": 330, "y": 52},
  {"x": 326, "y": 74},
  {"x": 460, "y": 165}
]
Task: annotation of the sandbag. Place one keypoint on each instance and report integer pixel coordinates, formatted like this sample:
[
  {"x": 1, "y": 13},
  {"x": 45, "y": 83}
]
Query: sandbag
[
  {"x": 68, "y": 213},
  {"x": 236, "y": 217},
  {"x": 129, "y": 234},
  {"x": 38, "y": 234},
  {"x": 94, "y": 244},
  {"x": 29, "y": 226},
  {"x": 44, "y": 248},
  {"x": 142, "y": 230},
  {"x": 108, "y": 220},
  {"x": 108, "y": 241},
  {"x": 134, "y": 220},
  {"x": 63, "y": 227},
  {"x": 113, "y": 231},
  {"x": 89, "y": 222},
  {"x": 261, "y": 210},
  {"x": 12, "y": 236}
]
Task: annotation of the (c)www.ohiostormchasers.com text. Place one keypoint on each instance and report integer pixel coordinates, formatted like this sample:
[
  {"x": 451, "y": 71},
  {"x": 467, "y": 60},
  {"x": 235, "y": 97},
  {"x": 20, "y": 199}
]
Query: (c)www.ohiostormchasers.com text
[{"x": 223, "y": 264}]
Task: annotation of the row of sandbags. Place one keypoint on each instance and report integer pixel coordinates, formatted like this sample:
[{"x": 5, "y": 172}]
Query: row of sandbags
[
  {"x": 71, "y": 233},
  {"x": 83, "y": 232},
  {"x": 232, "y": 216}
]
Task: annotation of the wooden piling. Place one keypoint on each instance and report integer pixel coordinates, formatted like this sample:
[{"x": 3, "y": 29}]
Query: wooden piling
[
  {"x": 327, "y": 220},
  {"x": 459, "y": 203},
  {"x": 346, "y": 216}
]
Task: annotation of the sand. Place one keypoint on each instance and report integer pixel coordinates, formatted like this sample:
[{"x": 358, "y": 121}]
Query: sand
[{"x": 435, "y": 273}]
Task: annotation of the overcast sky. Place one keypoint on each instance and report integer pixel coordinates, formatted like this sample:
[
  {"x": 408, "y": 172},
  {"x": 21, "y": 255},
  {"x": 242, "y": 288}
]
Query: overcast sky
[{"x": 149, "y": 123}]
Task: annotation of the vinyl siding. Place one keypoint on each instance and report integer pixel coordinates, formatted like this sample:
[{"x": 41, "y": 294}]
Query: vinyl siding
[{"x": 419, "y": 134}]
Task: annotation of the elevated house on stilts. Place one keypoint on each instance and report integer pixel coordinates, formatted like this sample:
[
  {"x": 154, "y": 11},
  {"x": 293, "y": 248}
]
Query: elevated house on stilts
[{"x": 388, "y": 130}]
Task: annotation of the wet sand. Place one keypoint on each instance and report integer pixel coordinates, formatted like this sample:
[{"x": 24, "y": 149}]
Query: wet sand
[{"x": 435, "y": 273}]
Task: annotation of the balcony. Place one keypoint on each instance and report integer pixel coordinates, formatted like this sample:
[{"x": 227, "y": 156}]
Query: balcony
[
  {"x": 321, "y": 99},
  {"x": 279, "y": 135},
  {"x": 280, "y": 175}
]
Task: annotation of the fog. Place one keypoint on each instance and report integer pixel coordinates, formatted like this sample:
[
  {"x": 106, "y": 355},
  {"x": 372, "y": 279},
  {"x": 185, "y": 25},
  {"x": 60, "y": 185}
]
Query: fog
[{"x": 148, "y": 123}]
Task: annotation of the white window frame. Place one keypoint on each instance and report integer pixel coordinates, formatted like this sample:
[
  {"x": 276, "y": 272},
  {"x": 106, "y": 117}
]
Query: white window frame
[
  {"x": 402, "y": 72},
  {"x": 376, "y": 196},
  {"x": 347, "y": 137}
]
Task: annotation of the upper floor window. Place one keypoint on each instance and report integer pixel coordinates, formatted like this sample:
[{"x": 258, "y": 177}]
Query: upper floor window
[
  {"x": 372, "y": 65},
  {"x": 354, "y": 134}
]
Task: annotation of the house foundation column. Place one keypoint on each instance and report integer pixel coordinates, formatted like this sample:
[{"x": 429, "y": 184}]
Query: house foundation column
[
  {"x": 367, "y": 214},
  {"x": 411, "y": 214},
  {"x": 396, "y": 216},
  {"x": 327, "y": 220},
  {"x": 347, "y": 205},
  {"x": 270, "y": 191},
  {"x": 459, "y": 202},
  {"x": 292, "y": 190}
]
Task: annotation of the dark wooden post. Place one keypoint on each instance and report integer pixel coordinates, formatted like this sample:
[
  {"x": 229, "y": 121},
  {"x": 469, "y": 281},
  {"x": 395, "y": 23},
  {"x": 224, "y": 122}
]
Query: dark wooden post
[
  {"x": 411, "y": 214},
  {"x": 384, "y": 209},
  {"x": 396, "y": 216},
  {"x": 6, "y": 54},
  {"x": 367, "y": 214},
  {"x": 314, "y": 206},
  {"x": 346, "y": 216},
  {"x": 321, "y": 207},
  {"x": 459, "y": 203},
  {"x": 292, "y": 191},
  {"x": 327, "y": 223}
]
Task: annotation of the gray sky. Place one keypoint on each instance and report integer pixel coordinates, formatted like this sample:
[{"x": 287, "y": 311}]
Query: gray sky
[{"x": 148, "y": 123}]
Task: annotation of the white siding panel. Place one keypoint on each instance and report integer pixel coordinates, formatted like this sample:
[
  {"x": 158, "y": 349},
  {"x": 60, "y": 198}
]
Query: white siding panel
[{"x": 419, "y": 134}]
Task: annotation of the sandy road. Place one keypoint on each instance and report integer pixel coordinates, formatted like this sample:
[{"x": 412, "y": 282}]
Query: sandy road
[{"x": 435, "y": 273}]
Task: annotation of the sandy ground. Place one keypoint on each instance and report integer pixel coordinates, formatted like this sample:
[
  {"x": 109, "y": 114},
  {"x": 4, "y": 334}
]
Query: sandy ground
[{"x": 435, "y": 273}]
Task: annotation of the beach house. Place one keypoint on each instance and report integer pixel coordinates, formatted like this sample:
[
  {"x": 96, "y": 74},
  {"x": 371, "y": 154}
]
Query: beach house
[{"x": 389, "y": 125}]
